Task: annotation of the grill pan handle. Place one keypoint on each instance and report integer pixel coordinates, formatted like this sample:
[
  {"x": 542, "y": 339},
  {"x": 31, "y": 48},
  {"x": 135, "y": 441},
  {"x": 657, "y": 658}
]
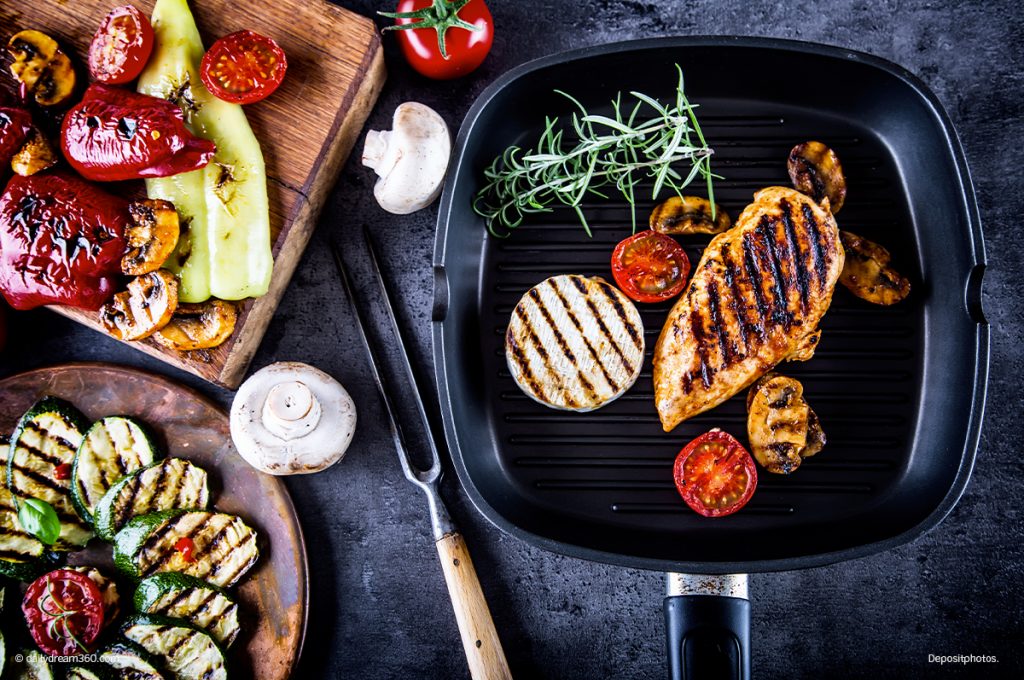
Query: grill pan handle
[{"x": 707, "y": 627}]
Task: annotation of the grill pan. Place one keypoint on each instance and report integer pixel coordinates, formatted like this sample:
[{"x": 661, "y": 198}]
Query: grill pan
[{"x": 899, "y": 390}]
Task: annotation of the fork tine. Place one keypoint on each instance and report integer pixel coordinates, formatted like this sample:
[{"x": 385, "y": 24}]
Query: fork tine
[
  {"x": 408, "y": 469},
  {"x": 389, "y": 309}
]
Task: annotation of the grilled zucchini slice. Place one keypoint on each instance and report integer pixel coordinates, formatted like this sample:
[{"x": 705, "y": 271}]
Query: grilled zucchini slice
[
  {"x": 224, "y": 546},
  {"x": 165, "y": 485},
  {"x": 112, "y": 448},
  {"x": 194, "y": 600},
  {"x": 89, "y": 673},
  {"x": 33, "y": 666},
  {"x": 19, "y": 550},
  {"x": 131, "y": 662},
  {"x": 44, "y": 443},
  {"x": 108, "y": 591},
  {"x": 188, "y": 652}
]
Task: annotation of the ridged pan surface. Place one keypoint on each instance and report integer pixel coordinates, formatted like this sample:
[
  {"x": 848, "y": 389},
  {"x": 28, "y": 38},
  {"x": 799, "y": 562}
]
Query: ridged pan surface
[{"x": 899, "y": 390}]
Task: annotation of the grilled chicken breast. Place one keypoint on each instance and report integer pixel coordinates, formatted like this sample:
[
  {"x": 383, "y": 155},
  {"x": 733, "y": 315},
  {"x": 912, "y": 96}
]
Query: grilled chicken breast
[
  {"x": 755, "y": 299},
  {"x": 575, "y": 343}
]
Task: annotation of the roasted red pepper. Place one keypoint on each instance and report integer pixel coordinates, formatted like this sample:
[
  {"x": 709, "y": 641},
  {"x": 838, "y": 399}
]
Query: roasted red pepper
[
  {"x": 15, "y": 126},
  {"x": 61, "y": 242},
  {"x": 115, "y": 134}
]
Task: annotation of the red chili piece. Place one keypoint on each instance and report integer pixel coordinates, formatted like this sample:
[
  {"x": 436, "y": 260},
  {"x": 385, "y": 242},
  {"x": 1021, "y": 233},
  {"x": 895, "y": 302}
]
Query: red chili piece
[
  {"x": 62, "y": 471},
  {"x": 61, "y": 242},
  {"x": 187, "y": 547},
  {"x": 115, "y": 134}
]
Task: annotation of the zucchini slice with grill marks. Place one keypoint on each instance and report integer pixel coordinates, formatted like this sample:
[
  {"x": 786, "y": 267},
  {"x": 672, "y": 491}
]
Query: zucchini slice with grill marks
[
  {"x": 92, "y": 673},
  {"x": 186, "y": 597},
  {"x": 32, "y": 666},
  {"x": 19, "y": 550},
  {"x": 39, "y": 464},
  {"x": 188, "y": 652},
  {"x": 223, "y": 547},
  {"x": 112, "y": 448},
  {"x": 131, "y": 662},
  {"x": 165, "y": 485}
]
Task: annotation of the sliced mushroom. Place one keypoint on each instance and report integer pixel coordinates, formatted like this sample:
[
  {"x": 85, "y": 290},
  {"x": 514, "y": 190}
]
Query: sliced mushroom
[
  {"x": 689, "y": 215},
  {"x": 816, "y": 171},
  {"x": 867, "y": 274},
  {"x": 804, "y": 349},
  {"x": 781, "y": 427},
  {"x": 35, "y": 155},
  {"x": 42, "y": 67},
  {"x": 152, "y": 236},
  {"x": 199, "y": 326},
  {"x": 143, "y": 309},
  {"x": 411, "y": 159}
]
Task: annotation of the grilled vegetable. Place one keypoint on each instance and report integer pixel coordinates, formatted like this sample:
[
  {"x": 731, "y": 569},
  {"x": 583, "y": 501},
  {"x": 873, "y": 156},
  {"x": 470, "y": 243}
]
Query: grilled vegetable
[
  {"x": 867, "y": 273},
  {"x": 28, "y": 664},
  {"x": 192, "y": 599},
  {"x": 143, "y": 309},
  {"x": 715, "y": 475},
  {"x": 64, "y": 612},
  {"x": 152, "y": 236},
  {"x": 40, "y": 463},
  {"x": 19, "y": 550},
  {"x": 131, "y": 661},
  {"x": 166, "y": 485},
  {"x": 689, "y": 215},
  {"x": 112, "y": 448},
  {"x": 227, "y": 251},
  {"x": 108, "y": 592},
  {"x": 35, "y": 155},
  {"x": 650, "y": 267},
  {"x": 15, "y": 127},
  {"x": 782, "y": 428},
  {"x": 121, "y": 46},
  {"x": 89, "y": 673},
  {"x": 214, "y": 546},
  {"x": 815, "y": 170},
  {"x": 43, "y": 68},
  {"x": 575, "y": 343},
  {"x": 199, "y": 326},
  {"x": 188, "y": 653}
]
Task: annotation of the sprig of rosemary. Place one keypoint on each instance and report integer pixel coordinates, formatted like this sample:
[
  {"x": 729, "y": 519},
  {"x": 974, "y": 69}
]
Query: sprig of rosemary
[{"x": 621, "y": 150}]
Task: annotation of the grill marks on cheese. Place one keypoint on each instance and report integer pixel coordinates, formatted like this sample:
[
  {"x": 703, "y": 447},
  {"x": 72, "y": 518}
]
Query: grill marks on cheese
[
  {"x": 574, "y": 343},
  {"x": 757, "y": 292}
]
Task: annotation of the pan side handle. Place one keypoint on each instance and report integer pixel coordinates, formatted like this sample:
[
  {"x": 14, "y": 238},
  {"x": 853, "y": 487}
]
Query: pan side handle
[{"x": 708, "y": 635}]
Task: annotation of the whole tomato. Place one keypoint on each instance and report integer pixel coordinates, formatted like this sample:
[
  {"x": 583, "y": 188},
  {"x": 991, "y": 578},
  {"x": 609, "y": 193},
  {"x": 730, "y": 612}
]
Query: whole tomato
[{"x": 441, "y": 39}]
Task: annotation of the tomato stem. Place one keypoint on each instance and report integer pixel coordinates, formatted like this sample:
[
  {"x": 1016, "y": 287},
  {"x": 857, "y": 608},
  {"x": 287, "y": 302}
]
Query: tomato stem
[{"x": 440, "y": 16}]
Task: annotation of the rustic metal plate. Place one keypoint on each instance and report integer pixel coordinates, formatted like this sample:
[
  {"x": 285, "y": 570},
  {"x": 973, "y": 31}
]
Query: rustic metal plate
[{"x": 274, "y": 596}]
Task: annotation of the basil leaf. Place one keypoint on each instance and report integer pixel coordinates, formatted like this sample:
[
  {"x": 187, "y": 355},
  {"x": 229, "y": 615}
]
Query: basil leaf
[{"x": 39, "y": 519}]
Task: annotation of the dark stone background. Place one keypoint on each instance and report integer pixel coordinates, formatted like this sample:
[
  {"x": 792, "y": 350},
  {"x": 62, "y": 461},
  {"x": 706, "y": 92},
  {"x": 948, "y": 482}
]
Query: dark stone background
[{"x": 379, "y": 607}]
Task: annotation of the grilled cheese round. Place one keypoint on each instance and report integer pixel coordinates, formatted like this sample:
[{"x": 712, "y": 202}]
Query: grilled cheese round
[{"x": 575, "y": 343}]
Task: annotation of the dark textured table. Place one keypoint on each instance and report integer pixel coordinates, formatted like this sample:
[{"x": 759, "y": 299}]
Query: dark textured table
[{"x": 379, "y": 608}]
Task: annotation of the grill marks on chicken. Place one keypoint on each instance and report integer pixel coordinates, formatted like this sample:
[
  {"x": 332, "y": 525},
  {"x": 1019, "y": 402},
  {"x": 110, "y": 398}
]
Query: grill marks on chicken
[{"x": 759, "y": 289}]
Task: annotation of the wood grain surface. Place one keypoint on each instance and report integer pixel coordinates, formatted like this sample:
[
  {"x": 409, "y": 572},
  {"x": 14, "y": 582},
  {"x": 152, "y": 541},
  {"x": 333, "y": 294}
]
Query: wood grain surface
[
  {"x": 274, "y": 595},
  {"x": 306, "y": 129}
]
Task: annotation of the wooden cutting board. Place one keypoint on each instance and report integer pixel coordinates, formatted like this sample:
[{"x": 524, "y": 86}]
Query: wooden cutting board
[
  {"x": 273, "y": 596},
  {"x": 307, "y": 128}
]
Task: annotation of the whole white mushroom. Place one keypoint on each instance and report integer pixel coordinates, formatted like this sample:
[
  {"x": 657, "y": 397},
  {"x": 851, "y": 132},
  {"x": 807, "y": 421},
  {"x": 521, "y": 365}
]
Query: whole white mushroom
[
  {"x": 411, "y": 158},
  {"x": 290, "y": 418}
]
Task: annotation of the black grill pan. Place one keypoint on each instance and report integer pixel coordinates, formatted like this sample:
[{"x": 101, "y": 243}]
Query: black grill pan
[{"x": 900, "y": 390}]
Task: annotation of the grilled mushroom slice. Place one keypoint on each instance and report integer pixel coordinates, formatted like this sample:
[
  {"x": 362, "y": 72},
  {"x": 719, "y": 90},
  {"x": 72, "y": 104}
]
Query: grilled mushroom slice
[
  {"x": 152, "y": 236},
  {"x": 867, "y": 274},
  {"x": 35, "y": 155},
  {"x": 146, "y": 307},
  {"x": 782, "y": 428},
  {"x": 199, "y": 326},
  {"x": 689, "y": 215},
  {"x": 42, "y": 67},
  {"x": 816, "y": 171}
]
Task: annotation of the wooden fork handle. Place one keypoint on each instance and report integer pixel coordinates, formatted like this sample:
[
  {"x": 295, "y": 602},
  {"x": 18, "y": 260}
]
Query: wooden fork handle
[{"x": 479, "y": 638}]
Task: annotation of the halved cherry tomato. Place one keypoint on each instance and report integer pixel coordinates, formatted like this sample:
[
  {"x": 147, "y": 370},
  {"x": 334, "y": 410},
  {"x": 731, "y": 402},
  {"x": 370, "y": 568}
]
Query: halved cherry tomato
[
  {"x": 650, "y": 267},
  {"x": 121, "y": 46},
  {"x": 243, "y": 68},
  {"x": 443, "y": 39},
  {"x": 715, "y": 475},
  {"x": 64, "y": 612}
]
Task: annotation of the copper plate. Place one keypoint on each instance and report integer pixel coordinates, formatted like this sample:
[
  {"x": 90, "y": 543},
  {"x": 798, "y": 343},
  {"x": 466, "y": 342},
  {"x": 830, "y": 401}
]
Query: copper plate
[{"x": 274, "y": 596}]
